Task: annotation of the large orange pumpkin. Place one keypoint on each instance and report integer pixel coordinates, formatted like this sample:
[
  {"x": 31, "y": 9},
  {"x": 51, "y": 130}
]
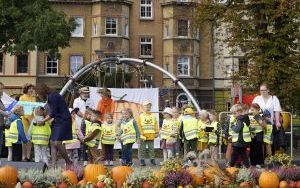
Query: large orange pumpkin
[
  {"x": 197, "y": 179},
  {"x": 92, "y": 171},
  {"x": 268, "y": 179},
  {"x": 71, "y": 176},
  {"x": 119, "y": 174},
  {"x": 8, "y": 176},
  {"x": 232, "y": 171}
]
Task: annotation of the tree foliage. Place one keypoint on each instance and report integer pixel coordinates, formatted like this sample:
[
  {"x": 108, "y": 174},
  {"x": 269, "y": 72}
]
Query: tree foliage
[
  {"x": 267, "y": 32},
  {"x": 27, "y": 24}
]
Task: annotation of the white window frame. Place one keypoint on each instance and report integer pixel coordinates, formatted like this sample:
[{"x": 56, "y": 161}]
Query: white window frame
[
  {"x": 126, "y": 30},
  {"x": 146, "y": 43},
  {"x": 111, "y": 68},
  {"x": 183, "y": 63},
  {"x": 76, "y": 62},
  {"x": 46, "y": 66},
  {"x": 188, "y": 28},
  {"x": 95, "y": 29},
  {"x": 112, "y": 34},
  {"x": 79, "y": 28},
  {"x": 145, "y": 5}
]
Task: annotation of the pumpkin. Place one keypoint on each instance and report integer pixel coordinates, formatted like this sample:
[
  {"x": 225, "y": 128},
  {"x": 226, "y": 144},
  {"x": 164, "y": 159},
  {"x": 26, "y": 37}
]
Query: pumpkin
[
  {"x": 245, "y": 185},
  {"x": 100, "y": 184},
  {"x": 8, "y": 176},
  {"x": 209, "y": 174},
  {"x": 298, "y": 184},
  {"x": 232, "y": 171},
  {"x": 146, "y": 184},
  {"x": 123, "y": 104},
  {"x": 286, "y": 120},
  {"x": 71, "y": 176},
  {"x": 283, "y": 184},
  {"x": 268, "y": 179},
  {"x": 27, "y": 184},
  {"x": 292, "y": 184},
  {"x": 92, "y": 171},
  {"x": 197, "y": 179},
  {"x": 119, "y": 174}
]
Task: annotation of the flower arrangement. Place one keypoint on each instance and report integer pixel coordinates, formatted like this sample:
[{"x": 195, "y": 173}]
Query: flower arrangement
[{"x": 177, "y": 178}]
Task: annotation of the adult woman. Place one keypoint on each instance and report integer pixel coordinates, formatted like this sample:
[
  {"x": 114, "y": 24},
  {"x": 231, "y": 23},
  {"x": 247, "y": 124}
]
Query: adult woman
[
  {"x": 28, "y": 96},
  {"x": 272, "y": 104},
  {"x": 106, "y": 104},
  {"x": 61, "y": 128}
]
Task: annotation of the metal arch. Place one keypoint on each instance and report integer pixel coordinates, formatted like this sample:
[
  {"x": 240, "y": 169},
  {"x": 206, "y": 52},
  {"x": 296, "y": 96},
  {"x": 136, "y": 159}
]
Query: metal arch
[{"x": 130, "y": 62}]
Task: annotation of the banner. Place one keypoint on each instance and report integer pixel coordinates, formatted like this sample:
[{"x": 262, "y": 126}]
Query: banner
[
  {"x": 29, "y": 106},
  {"x": 8, "y": 102},
  {"x": 133, "y": 99}
]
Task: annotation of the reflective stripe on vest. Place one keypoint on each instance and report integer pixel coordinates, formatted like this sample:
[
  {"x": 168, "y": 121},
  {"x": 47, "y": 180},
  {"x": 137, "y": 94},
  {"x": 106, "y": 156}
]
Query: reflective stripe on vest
[
  {"x": 7, "y": 139},
  {"x": 95, "y": 141},
  {"x": 190, "y": 128},
  {"x": 128, "y": 133},
  {"x": 212, "y": 136},
  {"x": 255, "y": 124},
  {"x": 201, "y": 132},
  {"x": 268, "y": 134},
  {"x": 13, "y": 135},
  {"x": 109, "y": 134},
  {"x": 148, "y": 123},
  {"x": 246, "y": 134},
  {"x": 41, "y": 134},
  {"x": 74, "y": 135}
]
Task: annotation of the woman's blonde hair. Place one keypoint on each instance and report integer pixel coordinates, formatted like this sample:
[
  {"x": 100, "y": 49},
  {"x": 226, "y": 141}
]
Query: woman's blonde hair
[
  {"x": 129, "y": 111},
  {"x": 18, "y": 109},
  {"x": 236, "y": 108},
  {"x": 203, "y": 113}
]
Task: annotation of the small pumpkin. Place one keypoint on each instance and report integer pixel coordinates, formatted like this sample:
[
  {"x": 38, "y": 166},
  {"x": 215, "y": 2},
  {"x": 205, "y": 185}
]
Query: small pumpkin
[
  {"x": 146, "y": 184},
  {"x": 232, "y": 171},
  {"x": 283, "y": 184},
  {"x": 268, "y": 179},
  {"x": 8, "y": 176},
  {"x": 298, "y": 184},
  {"x": 27, "y": 184},
  {"x": 292, "y": 184},
  {"x": 100, "y": 184},
  {"x": 197, "y": 180},
  {"x": 92, "y": 171},
  {"x": 71, "y": 176},
  {"x": 119, "y": 174}
]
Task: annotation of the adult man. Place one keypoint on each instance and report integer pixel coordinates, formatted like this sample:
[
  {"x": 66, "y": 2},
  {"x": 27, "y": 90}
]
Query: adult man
[
  {"x": 2, "y": 115},
  {"x": 149, "y": 131}
]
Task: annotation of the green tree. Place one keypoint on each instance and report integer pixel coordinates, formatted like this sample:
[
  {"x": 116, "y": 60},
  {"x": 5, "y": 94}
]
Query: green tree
[
  {"x": 267, "y": 32},
  {"x": 27, "y": 24}
]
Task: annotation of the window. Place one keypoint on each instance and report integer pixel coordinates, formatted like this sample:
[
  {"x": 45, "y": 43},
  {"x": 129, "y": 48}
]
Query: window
[
  {"x": 78, "y": 32},
  {"x": 243, "y": 66},
  {"x": 110, "y": 68},
  {"x": 1, "y": 62},
  {"x": 126, "y": 30},
  {"x": 111, "y": 26},
  {"x": 94, "y": 29},
  {"x": 76, "y": 63},
  {"x": 146, "y": 46},
  {"x": 146, "y": 9},
  {"x": 146, "y": 81},
  {"x": 183, "y": 28},
  {"x": 183, "y": 67},
  {"x": 51, "y": 65},
  {"x": 22, "y": 63}
]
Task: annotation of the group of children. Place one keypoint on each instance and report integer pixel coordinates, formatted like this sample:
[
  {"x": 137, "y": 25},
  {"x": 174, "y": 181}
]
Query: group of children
[{"x": 185, "y": 132}]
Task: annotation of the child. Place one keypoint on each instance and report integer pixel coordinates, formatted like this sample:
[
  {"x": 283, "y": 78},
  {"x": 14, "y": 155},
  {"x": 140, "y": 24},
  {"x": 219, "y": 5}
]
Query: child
[
  {"x": 108, "y": 138},
  {"x": 168, "y": 134},
  {"x": 92, "y": 137},
  {"x": 189, "y": 131},
  {"x": 128, "y": 135},
  {"x": 231, "y": 121},
  {"x": 256, "y": 145},
  {"x": 268, "y": 130},
  {"x": 202, "y": 134},
  {"x": 213, "y": 135},
  {"x": 7, "y": 141},
  {"x": 16, "y": 133},
  {"x": 40, "y": 135},
  {"x": 177, "y": 118},
  {"x": 241, "y": 136},
  {"x": 84, "y": 127},
  {"x": 72, "y": 146}
]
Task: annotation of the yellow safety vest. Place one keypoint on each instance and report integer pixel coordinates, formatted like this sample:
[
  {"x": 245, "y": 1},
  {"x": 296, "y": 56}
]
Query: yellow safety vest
[
  {"x": 41, "y": 134},
  {"x": 87, "y": 126},
  {"x": 148, "y": 123},
  {"x": 128, "y": 133},
  {"x": 254, "y": 123},
  {"x": 246, "y": 134},
  {"x": 201, "y": 132},
  {"x": 7, "y": 139},
  {"x": 212, "y": 136},
  {"x": 232, "y": 121},
  {"x": 268, "y": 134},
  {"x": 190, "y": 128},
  {"x": 74, "y": 135},
  {"x": 13, "y": 134},
  {"x": 169, "y": 127},
  {"x": 108, "y": 134},
  {"x": 95, "y": 141}
]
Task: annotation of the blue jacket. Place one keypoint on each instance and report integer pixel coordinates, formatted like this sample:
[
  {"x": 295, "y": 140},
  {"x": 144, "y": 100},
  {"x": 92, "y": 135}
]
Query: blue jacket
[{"x": 22, "y": 137}]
